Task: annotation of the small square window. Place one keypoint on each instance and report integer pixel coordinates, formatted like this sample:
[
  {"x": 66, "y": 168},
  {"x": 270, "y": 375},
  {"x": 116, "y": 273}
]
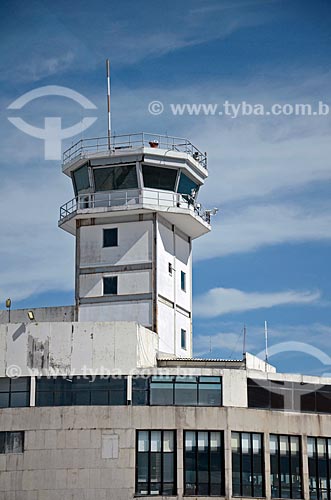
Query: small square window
[
  {"x": 170, "y": 268},
  {"x": 110, "y": 285},
  {"x": 110, "y": 237},
  {"x": 183, "y": 338},
  {"x": 183, "y": 281}
]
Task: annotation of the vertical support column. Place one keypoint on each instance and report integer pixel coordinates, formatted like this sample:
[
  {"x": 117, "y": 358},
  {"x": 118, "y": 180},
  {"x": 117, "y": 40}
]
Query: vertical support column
[
  {"x": 77, "y": 266},
  {"x": 154, "y": 274},
  {"x": 33, "y": 391},
  {"x": 175, "y": 288},
  {"x": 180, "y": 463},
  {"x": 267, "y": 471},
  {"x": 191, "y": 298},
  {"x": 227, "y": 462},
  {"x": 305, "y": 470},
  {"x": 129, "y": 389}
]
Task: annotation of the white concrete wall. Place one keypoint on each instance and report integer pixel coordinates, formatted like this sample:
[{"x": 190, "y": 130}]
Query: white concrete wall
[
  {"x": 73, "y": 348},
  {"x": 173, "y": 248},
  {"x": 138, "y": 311},
  {"x": 133, "y": 282},
  {"x": 134, "y": 244}
]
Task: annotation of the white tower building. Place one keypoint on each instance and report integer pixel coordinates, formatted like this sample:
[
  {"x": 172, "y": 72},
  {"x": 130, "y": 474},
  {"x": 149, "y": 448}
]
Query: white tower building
[{"x": 134, "y": 216}]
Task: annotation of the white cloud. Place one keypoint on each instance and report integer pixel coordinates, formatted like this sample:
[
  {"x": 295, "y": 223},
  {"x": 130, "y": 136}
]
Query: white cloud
[
  {"x": 35, "y": 254},
  {"x": 255, "y": 226},
  {"x": 220, "y": 301}
]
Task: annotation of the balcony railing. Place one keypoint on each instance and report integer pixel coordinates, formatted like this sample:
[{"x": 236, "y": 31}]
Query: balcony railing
[
  {"x": 84, "y": 147},
  {"x": 130, "y": 198}
]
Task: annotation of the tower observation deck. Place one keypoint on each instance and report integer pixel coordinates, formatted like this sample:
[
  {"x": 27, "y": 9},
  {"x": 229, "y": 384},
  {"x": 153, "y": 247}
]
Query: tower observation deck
[{"x": 134, "y": 216}]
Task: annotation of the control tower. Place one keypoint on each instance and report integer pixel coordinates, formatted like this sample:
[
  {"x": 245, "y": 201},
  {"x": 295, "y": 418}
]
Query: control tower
[{"x": 134, "y": 216}]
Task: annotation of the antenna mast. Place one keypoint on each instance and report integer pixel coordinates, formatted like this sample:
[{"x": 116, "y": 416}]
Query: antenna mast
[
  {"x": 108, "y": 102},
  {"x": 244, "y": 343},
  {"x": 266, "y": 340}
]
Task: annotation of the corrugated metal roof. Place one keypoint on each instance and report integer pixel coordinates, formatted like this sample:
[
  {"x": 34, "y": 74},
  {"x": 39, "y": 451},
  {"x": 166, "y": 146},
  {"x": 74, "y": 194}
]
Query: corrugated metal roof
[{"x": 213, "y": 360}]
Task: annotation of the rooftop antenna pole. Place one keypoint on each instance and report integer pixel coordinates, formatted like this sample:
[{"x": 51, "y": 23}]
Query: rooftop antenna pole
[
  {"x": 108, "y": 102},
  {"x": 266, "y": 340},
  {"x": 244, "y": 344}
]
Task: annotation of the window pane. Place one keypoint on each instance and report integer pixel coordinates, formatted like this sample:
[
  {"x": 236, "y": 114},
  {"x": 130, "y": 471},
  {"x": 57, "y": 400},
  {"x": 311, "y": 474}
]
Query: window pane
[
  {"x": 143, "y": 467},
  {"x": 159, "y": 178},
  {"x": 14, "y": 442},
  {"x": 19, "y": 399},
  {"x": 20, "y": 384},
  {"x": 113, "y": 178},
  {"x": 168, "y": 441},
  {"x": 143, "y": 441},
  {"x": 162, "y": 394},
  {"x": 4, "y": 399},
  {"x": 210, "y": 394},
  {"x": 189, "y": 441},
  {"x": 156, "y": 441},
  {"x": 110, "y": 237},
  {"x": 4, "y": 384},
  {"x": 186, "y": 394},
  {"x": 81, "y": 179},
  {"x": 186, "y": 185},
  {"x": 110, "y": 285}
]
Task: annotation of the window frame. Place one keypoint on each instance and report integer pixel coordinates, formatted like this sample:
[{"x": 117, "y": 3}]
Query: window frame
[
  {"x": 114, "y": 229},
  {"x": 280, "y": 473},
  {"x": 162, "y": 452},
  {"x": 183, "y": 336},
  {"x": 251, "y": 434},
  {"x": 183, "y": 281},
  {"x": 200, "y": 381},
  {"x": 4, "y": 438},
  {"x": 222, "y": 470},
  {"x": 103, "y": 285},
  {"x": 318, "y": 491},
  {"x": 10, "y": 392}
]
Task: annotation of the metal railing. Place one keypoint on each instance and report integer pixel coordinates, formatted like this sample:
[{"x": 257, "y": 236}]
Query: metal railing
[
  {"x": 130, "y": 198},
  {"x": 85, "y": 147}
]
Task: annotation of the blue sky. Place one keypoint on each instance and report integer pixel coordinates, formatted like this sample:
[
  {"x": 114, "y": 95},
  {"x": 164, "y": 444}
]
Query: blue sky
[{"x": 268, "y": 256}]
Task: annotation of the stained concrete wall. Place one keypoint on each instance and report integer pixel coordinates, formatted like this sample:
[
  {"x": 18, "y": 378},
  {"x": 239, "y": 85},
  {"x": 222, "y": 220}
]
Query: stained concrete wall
[
  {"x": 42, "y": 314},
  {"x": 74, "y": 348},
  {"x": 75, "y": 453}
]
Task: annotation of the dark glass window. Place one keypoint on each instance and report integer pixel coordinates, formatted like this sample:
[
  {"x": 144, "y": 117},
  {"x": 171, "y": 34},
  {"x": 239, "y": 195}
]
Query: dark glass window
[
  {"x": 319, "y": 466},
  {"x": 292, "y": 396},
  {"x": 81, "y": 179},
  {"x": 183, "y": 281},
  {"x": 285, "y": 466},
  {"x": 11, "y": 442},
  {"x": 155, "y": 463},
  {"x": 14, "y": 392},
  {"x": 110, "y": 285},
  {"x": 159, "y": 178},
  {"x": 81, "y": 391},
  {"x": 110, "y": 237},
  {"x": 180, "y": 391},
  {"x": 186, "y": 185},
  {"x": 113, "y": 178},
  {"x": 203, "y": 463},
  {"x": 183, "y": 338},
  {"x": 247, "y": 464}
]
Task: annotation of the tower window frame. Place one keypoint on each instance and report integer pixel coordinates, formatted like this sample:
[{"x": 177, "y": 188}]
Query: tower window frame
[
  {"x": 110, "y": 237},
  {"x": 183, "y": 339},
  {"x": 110, "y": 285},
  {"x": 183, "y": 281}
]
